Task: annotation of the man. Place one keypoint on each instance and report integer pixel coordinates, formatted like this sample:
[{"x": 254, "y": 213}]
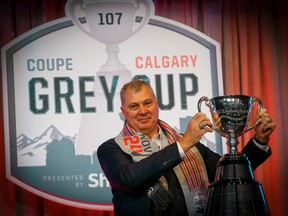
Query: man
[{"x": 153, "y": 170}]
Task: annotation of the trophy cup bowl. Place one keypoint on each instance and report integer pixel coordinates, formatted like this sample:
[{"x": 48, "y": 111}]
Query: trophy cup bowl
[
  {"x": 234, "y": 190},
  {"x": 231, "y": 115}
]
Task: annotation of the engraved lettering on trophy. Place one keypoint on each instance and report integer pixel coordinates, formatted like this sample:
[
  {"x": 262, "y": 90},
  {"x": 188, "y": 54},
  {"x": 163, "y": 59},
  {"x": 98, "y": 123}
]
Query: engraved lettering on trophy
[{"x": 231, "y": 115}]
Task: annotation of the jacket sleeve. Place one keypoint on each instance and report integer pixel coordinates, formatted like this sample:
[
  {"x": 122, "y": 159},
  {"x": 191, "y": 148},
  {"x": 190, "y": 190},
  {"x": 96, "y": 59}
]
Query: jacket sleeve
[
  {"x": 255, "y": 155},
  {"x": 210, "y": 159},
  {"x": 133, "y": 177}
]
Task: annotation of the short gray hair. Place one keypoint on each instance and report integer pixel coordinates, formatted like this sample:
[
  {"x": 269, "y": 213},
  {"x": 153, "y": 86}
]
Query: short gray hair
[{"x": 136, "y": 85}]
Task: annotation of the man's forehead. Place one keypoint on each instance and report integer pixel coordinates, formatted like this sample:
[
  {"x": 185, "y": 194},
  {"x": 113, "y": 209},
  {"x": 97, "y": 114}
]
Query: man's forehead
[
  {"x": 141, "y": 90},
  {"x": 139, "y": 95}
]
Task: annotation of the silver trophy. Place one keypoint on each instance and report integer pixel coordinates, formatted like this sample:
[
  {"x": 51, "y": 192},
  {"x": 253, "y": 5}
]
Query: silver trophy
[
  {"x": 234, "y": 190},
  {"x": 231, "y": 116}
]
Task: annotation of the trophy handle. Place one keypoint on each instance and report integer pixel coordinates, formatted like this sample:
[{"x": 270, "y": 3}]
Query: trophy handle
[
  {"x": 255, "y": 99},
  {"x": 149, "y": 10},
  {"x": 70, "y": 10},
  {"x": 207, "y": 103},
  {"x": 204, "y": 98}
]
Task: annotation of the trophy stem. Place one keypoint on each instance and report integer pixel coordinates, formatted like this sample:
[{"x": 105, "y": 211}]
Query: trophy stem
[
  {"x": 232, "y": 142},
  {"x": 113, "y": 63},
  {"x": 113, "y": 66}
]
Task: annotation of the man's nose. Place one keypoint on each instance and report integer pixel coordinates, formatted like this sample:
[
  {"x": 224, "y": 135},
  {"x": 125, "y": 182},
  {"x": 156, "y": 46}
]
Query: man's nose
[{"x": 142, "y": 110}]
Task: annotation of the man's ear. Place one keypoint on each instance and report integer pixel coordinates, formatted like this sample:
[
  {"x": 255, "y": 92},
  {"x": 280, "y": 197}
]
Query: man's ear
[
  {"x": 123, "y": 112},
  {"x": 121, "y": 116}
]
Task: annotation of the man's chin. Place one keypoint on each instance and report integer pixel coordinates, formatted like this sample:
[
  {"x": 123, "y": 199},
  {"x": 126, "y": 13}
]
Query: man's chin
[{"x": 145, "y": 124}]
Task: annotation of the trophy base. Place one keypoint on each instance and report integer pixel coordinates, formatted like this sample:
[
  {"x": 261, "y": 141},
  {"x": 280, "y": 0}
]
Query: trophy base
[
  {"x": 236, "y": 197},
  {"x": 235, "y": 191}
]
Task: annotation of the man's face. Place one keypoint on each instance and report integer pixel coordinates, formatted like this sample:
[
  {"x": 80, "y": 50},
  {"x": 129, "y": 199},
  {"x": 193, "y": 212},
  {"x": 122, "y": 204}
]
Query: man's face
[{"x": 140, "y": 109}]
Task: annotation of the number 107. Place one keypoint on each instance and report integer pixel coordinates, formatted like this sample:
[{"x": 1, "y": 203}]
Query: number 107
[{"x": 110, "y": 18}]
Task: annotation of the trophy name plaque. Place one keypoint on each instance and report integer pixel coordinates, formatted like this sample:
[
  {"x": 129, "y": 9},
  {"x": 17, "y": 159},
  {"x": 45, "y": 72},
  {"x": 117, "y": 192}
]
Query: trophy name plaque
[{"x": 234, "y": 190}]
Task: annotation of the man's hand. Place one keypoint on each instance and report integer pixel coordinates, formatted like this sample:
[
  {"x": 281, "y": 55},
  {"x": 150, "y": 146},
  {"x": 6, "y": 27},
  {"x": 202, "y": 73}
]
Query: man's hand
[
  {"x": 265, "y": 126},
  {"x": 197, "y": 127}
]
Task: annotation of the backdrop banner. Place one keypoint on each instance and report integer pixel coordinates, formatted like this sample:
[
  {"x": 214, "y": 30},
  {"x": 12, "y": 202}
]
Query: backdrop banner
[{"x": 61, "y": 84}]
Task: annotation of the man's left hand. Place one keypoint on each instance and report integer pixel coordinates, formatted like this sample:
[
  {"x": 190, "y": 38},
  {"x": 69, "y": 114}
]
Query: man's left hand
[{"x": 265, "y": 126}]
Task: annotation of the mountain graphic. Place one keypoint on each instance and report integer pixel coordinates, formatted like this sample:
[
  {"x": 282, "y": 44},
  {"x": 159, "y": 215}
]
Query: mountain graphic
[
  {"x": 32, "y": 152},
  {"x": 22, "y": 142}
]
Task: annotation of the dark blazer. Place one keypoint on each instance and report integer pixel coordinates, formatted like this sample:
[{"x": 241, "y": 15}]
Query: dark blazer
[{"x": 130, "y": 181}]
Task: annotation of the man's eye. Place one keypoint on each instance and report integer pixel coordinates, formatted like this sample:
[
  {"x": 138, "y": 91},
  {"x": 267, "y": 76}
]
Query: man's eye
[
  {"x": 148, "y": 103},
  {"x": 133, "y": 106}
]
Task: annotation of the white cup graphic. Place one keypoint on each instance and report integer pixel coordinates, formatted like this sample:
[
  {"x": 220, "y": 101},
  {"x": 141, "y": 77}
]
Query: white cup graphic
[{"x": 110, "y": 22}]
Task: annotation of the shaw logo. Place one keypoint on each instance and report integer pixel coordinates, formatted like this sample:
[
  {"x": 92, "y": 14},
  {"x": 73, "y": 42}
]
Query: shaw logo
[{"x": 61, "y": 84}]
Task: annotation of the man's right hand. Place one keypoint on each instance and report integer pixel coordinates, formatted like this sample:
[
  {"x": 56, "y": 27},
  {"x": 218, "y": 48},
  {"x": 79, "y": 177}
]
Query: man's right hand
[{"x": 197, "y": 127}]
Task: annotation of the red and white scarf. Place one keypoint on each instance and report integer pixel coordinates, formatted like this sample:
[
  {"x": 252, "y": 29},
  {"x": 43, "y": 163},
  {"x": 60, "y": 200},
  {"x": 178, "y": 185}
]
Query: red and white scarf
[{"x": 191, "y": 172}]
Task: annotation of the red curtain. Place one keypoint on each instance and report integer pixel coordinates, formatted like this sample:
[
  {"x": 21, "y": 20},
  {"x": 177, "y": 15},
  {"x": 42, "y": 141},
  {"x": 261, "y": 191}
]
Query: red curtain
[{"x": 253, "y": 35}]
